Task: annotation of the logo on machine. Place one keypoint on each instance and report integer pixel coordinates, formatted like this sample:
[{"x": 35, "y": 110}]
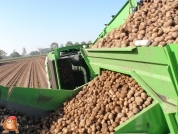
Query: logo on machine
[{"x": 9, "y": 123}]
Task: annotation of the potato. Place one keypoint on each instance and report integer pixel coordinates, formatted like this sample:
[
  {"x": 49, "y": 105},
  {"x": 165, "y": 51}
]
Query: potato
[
  {"x": 130, "y": 93},
  {"x": 147, "y": 103},
  {"x": 152, "y": 21},
  {"x": 154, "y": 35},
  {"x": 120, "y": 115},
  {"x": 163, "y": 43},
  {"x": 117, "y": 109},
  {"x": 169, "y": 37},
  {"x": 139, "y": 100},
  {"x": 138, "y": 93},
  {"x": 130, "y": 114},
  {"x": 142, "y": 32},
  {"x": 149, "y": 99},
  {"x": 144, "y": 95},
  {"x": 136, "y": 110},
  {"x": 170, "y": 42},
  {"x": 158, "y": 39},
  {"x": 175, "y": 4},
  {"x": 174, "y": 34}
]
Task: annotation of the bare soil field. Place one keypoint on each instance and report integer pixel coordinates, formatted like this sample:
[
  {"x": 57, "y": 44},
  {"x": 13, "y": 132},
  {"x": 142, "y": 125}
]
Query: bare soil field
[{"x": 24, "y": 73}]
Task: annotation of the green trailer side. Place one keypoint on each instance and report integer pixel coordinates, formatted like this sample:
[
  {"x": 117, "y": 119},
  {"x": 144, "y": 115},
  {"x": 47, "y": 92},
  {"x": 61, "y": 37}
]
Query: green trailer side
[
  {"x": 154, "y": 68},
  {"x": 35, "y": 102},
  {"x": 3, "y": 95},
  {"x": 55, "y": 56},
  {"x": 149, "y": 121}
]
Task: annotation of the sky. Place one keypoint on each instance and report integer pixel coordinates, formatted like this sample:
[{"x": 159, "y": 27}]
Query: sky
[{"x": 36, "y": 24}]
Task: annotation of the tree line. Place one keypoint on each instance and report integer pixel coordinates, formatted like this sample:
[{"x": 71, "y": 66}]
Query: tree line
[{"x": 40, "y": 51}]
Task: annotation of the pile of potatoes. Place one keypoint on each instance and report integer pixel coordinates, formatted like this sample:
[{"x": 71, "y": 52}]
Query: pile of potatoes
[
  {"x": 106, "y": 102},
  {"x": 155, "y": 20}
]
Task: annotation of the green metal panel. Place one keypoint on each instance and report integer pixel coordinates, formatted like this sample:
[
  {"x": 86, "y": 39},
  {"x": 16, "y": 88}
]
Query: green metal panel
[
  {"x": 3, "y": 94},
  {"x": 51, "y": 56},
  {"x": 111, "y": 49},
  {"x": 44, "y": 99},
  {"x": 172, "y": 53},
  {"x": 173, "y": 126},
  {"x": 176, "y": 118},
  {"x": 25, "y": 96},
  {"x": 55, "y": 98},
  {"x": 119, "y": 18},
  {"x": 154, "y": 68},
  {"x": 151, "y": 120},
  {"x": 55, "y": 55},
  {"x": 92, "y": 73},
  {"x": 143, "y": 54},
  {"x": 35, "y": 102}
]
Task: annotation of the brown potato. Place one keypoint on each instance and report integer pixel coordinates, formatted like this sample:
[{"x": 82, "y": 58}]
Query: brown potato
[
  {"x": 152, "y": 22},
  {"x": 82, "y": 113},
  {"x": 174, "y": 34},
  {"x": 169, "y": 37}
]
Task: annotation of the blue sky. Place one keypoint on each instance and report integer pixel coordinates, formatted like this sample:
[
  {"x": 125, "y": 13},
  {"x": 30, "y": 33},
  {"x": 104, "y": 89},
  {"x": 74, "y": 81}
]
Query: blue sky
[{"x": 37, "y": 23}]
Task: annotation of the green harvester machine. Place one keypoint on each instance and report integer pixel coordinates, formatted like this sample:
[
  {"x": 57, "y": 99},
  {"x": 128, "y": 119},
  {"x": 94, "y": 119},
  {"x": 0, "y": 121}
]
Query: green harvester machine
[{"x": 70, "y": 68}]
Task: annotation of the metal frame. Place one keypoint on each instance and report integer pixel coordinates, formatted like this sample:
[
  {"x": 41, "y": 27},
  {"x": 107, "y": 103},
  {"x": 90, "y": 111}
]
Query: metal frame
[{"x": 154, "y": 68}]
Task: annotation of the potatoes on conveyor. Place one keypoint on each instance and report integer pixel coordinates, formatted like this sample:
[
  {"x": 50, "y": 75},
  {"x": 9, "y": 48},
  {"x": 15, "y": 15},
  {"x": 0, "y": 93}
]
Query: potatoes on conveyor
[
  {"x": 106, "y": 102},
  {"x": 155, "y": 20}
]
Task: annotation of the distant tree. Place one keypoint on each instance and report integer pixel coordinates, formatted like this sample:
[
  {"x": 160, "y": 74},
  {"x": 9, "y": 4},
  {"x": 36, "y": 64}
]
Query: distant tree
[
  {"x": 24, "y": 52},
  {"x": 40, "y": 50},
  {"x": 15, "y": 54},
  {"x": 62, "y": 45},
  {"x": 69, "y": 43},
  {"x": 2, "y": 54},
  {"x": 76, "y": 43},
  {"x": 83, "y": 43},
  {"x": 14, "y": 51},
  {"x": 53, "y": 45},
  {"x": 44, "y": 50},
  {"x": 34, "y": 53},
  {"x": 89, "y": 42}
]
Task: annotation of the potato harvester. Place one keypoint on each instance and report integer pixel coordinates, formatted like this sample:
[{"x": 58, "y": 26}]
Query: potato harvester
[{"x": 68, "y": 69}]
